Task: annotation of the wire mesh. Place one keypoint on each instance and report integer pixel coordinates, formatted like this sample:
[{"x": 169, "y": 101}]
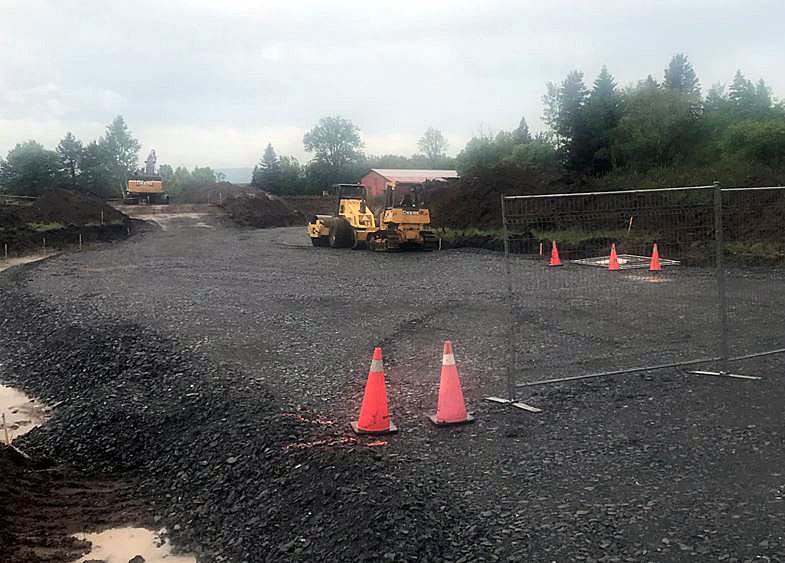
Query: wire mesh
[
  {"x": 575, "y": 319},
  {"x": 754, "y": 254}
]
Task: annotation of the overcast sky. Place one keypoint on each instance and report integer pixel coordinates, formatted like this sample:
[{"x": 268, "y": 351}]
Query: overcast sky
[{"x": 212, "y": 82}]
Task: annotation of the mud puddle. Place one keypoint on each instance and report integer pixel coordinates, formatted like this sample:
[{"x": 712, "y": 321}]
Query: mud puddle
[
  {"x": 19, "y": 414},
  {"x": 121, "y": 545},
  {"x": 11, "y": 262}
]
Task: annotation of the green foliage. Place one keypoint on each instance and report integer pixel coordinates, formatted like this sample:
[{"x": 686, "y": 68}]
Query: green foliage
[
  {"x": 758, "y": 141},
  {"x": 522, "y": 135},
  {"x": 121, "y": 151},
  {"x": 30, "y": 169},
  {"x": 70, "y": 152},
  {"x": 532, "y": 153},
  {"x": 336, "y": 145},
  {"x": 95, "y": 171},
  {"x": 658, "y": 128},
  {"x": 681, "y": 77},
  {"x": 483, "y": 154},
  {"x": 433, "y": 145},
  {"x": 267, "y": 174}
]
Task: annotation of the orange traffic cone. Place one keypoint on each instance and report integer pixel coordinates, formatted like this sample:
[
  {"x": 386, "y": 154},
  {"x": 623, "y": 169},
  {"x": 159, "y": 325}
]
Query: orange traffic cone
[
  {"x": 613, "y": 262},
  {"x": 374, "y": 417},
  {"x": 554, "y": 255},
  {"x": 450, "y": 409},
  {"x": 654, "y": 265}
]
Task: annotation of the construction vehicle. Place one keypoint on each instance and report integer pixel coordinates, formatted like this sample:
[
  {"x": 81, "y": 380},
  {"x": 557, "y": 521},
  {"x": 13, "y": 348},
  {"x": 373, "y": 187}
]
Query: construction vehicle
[
  {"x": 351, "y": 226},
  {"x": 405, "y": 221},
  {"x": 147, "y": 186}
]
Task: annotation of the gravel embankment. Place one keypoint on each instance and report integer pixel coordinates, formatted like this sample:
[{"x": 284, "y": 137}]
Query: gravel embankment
[{"x": 219, "y": 369}]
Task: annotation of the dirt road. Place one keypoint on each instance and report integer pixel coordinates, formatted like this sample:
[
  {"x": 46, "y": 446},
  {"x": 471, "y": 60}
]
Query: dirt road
[{"x": 219, "y": 369}]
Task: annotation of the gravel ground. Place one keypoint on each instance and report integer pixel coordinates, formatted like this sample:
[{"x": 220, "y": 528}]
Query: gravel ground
[{"x": 219, "y": 369}]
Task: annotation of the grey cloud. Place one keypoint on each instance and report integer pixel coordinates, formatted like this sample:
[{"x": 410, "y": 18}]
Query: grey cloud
[{"x": 242, "y": 70}]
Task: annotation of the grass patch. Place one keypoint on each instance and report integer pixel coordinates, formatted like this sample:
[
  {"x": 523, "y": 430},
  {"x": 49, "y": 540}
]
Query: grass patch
[
  {"x": 45, "y": 227},
  {"x": 578, "y": 236},
  {"x": 105, "y": 223},
  {"x": 756, "y": 249},
  {"x": 454, "y": 234}
]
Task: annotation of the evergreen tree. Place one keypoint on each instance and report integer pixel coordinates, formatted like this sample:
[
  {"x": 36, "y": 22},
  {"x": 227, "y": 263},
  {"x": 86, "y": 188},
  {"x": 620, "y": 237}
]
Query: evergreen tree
[
  {"x": 602, "y": 114},
  {"x": 70, "y": 153},
  {"x": 522, "y": 135},
  {"x": 763, "y": 101},
  {"x": 267, "y": 174},
  {"x": 95, "y": 172},
  {"x": 681, "y": 76},
  {"x": 742, "y": 94},
  {"x": 716, "y": 100},
  {"x": 571, "y": 126},
  {"x": 122, "y": 151},
  {"x": 648, "y": 82}
]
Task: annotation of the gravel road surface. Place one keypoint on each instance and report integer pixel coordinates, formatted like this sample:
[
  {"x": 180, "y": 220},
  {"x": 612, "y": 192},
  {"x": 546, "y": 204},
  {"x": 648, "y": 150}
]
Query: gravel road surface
[{"x": 219, "y": 369}]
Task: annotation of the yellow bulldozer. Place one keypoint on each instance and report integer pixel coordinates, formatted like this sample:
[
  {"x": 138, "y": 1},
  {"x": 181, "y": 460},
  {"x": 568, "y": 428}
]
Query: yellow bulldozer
[{"x": 403, "y": 222}]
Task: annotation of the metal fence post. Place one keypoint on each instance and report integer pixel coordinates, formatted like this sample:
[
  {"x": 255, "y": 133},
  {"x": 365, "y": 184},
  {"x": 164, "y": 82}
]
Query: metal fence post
[
  {"x": 722, "y": 299},
  {"x": 511, "y": 323}
]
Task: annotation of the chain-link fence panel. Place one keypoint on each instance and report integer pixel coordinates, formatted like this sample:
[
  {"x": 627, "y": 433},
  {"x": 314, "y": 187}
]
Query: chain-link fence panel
[{"x": 590, "y": 295}]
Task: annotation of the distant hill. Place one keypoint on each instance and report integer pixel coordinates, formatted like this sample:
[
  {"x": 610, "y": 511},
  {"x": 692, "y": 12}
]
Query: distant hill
[{"x": 237, "y": 175}]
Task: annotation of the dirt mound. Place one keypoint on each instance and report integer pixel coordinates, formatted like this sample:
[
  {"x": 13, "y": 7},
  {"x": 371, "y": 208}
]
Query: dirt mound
[
  {"x": 43, "y": 506},
  {"x": 261, "y": 210},
  {"x": 474, "y": 201},
  {"x": 310, "y": 205},
  {"x": 71, "y": 208}
]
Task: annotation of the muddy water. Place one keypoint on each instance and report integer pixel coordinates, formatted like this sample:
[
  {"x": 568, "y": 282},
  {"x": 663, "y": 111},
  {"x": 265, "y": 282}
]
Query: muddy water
[
  {"x": 16, "y": 261},
  {"x": 22, "y": 413},
  {"x": 120, "y": 545}
]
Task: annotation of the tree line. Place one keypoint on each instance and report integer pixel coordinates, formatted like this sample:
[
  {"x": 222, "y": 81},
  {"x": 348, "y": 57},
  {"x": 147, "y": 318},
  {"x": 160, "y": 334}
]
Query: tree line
[
  {"x": 338, "y": 158},
  {"x": 101, "y": 167},
  {"x": 643, "y": 129},
  {"x": 655, "y": 130}
]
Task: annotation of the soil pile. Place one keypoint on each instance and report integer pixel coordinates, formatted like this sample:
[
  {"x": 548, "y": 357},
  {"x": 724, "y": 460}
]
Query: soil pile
[
  {"x": 474, "y": 202},
  {"x": 261, "y": 210},
  {"x": 71, "y": 208},
  {"x": 309, "y": 206},
  {"x": 43, "y": 505},
  {"x": 59, "y": 217}
]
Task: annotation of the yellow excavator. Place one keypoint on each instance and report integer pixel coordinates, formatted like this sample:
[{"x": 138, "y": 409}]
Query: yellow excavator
[
  {"x": 403, "y": 222},
  {"x": 146, "y": 186},
  {"x": 351, "y": 226}
]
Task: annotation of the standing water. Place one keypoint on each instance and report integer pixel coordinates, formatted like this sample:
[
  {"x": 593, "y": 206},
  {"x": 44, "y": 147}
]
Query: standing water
[
  {"x": 21, "y": 414},
  {"x": 121, "y": 545}
]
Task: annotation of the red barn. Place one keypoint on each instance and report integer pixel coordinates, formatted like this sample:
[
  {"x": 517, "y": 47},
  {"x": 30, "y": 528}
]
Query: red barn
[{"x": 378, "y": 178}]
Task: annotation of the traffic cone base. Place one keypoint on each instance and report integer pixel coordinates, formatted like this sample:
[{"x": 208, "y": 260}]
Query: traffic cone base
[
  {"x": 432, "y": 417},
  {"x": 391, "y": 429},
  {"x": 374, "y": 414},
  {"x": 450, "y": 408}
]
